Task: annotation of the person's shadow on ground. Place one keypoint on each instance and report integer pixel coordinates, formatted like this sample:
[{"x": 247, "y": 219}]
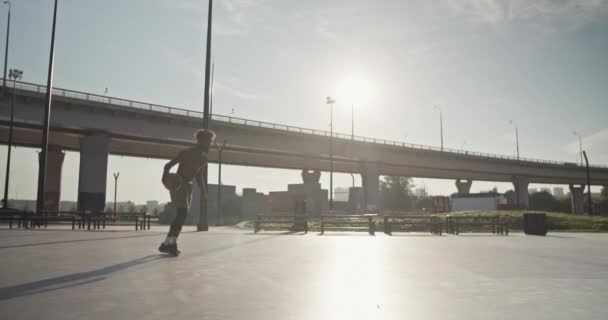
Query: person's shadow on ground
[{"x": 70, "y": 280}]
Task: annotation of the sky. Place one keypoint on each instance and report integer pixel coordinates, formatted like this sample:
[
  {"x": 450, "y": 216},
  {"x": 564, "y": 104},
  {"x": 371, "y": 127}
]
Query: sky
[{"x": 541, "y": 64}]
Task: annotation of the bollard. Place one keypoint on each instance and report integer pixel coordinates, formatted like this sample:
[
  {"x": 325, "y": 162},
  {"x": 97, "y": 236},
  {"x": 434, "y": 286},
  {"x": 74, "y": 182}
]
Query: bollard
[{"x": 535, "y": 224}]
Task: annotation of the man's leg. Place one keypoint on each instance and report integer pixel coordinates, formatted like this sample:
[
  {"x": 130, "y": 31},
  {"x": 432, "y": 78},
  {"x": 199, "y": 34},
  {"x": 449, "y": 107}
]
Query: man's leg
[
  {"x": 178, "y": 222},
  {"x": 179, "y": 199}
]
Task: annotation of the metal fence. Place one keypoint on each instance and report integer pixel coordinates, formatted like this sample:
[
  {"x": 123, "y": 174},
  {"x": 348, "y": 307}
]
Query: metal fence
[{"x": 229, "y": 119}]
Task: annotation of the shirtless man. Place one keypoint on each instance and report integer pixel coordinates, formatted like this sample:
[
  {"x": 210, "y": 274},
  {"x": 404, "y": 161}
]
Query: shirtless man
[{"x": 192, "y": 165}]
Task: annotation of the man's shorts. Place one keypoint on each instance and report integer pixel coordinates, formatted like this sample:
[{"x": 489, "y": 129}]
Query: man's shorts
[{"x": 182, "y": 196}]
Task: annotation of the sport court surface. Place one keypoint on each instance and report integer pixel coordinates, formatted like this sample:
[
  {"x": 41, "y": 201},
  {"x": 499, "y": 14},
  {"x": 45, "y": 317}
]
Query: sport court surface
[{"x": 229, "y": 273}]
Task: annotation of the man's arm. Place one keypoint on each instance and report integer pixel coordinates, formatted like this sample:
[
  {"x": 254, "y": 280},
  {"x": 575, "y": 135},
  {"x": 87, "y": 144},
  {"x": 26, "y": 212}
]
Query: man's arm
[{"x": 172, "y": 163}]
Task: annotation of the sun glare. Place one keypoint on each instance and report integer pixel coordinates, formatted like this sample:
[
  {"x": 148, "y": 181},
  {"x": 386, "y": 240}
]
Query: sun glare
[{"x": 354, "y": 90}]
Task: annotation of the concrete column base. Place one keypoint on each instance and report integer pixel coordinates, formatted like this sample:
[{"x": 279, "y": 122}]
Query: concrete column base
[
  {"x": 52, "y": 185},
  {"x": 521, "y": 191},
  {"x": 92, "y": 179},
  {"x": 464, "y": 186},
  {"x": 577, "y": 199},
  {"x": 371, "y": 187}
]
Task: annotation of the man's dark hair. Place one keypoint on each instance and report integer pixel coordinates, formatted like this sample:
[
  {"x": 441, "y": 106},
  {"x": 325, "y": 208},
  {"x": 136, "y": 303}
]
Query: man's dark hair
[{"x": 204, "y": 135}]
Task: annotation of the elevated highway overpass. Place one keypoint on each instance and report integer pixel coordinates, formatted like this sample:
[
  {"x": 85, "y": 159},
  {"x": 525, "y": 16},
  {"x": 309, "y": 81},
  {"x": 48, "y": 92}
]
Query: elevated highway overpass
[{"x": 98, "y": 125}]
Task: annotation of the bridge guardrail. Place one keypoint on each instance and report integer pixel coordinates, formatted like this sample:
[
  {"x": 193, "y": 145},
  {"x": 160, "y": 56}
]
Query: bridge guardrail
[{"x": 229, "y": 119}]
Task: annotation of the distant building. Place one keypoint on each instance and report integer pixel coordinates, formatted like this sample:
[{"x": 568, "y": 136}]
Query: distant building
[
  {"x": 152, "y": 205},
  {"x": 558, "y": 192},
  {"x": 25, "y": 205},
  {"x": 421, "y": 193},
  {"x": 341, "y": 194},
  {"x": 477, "y": 201}
]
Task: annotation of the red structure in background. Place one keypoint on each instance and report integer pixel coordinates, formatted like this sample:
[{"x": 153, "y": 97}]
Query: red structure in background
[
  {"x": 441, "y": 204},
  {"x": 511, "y": 206}
]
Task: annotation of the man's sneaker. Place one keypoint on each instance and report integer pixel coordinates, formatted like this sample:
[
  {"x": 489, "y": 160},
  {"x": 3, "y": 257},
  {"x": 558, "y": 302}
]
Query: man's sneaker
[
  {"x": 173, "y": 249},
  {"x": 164, "y": 248}
]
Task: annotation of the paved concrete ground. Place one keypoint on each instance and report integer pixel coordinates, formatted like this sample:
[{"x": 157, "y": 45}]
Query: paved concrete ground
[{"x": 233, "y": 274}]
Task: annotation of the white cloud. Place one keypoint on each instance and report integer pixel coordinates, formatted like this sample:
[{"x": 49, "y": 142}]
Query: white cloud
[
  {"x": 547, "y": 14},
  {"x": 230, "y": 90},
  {"x": 235, "y": 16}
]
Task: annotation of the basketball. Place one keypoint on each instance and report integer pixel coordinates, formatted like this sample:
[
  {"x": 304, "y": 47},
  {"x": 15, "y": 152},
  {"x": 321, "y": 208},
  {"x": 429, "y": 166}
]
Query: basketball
[{"x": 171, "y": 181}]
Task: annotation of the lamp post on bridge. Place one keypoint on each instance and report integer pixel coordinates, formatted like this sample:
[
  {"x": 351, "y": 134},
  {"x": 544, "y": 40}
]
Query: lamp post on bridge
[
  {"x": 440, "y": 124},
  {"x": 516, "y": 136},
  {"x": 14, "y": 75},
  {"x": 331, "y": 102},
  {"x": 580, "y": 144}
]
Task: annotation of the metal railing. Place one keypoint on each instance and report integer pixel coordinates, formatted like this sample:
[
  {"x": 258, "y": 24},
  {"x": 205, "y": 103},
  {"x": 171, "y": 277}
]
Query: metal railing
[{"x": 235, "y": 120}]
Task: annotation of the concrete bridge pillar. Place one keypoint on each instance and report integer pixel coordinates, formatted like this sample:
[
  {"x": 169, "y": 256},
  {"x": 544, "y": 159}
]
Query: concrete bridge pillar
[
  {"x": 52, "y": 184},
  {"x": 521, "y": 191},
  {"x": 93, "y": 172},
  {"x": 464, "y": 186},
  {"x": 371, "y": 187},
  {"x": 577, "y": 199}
]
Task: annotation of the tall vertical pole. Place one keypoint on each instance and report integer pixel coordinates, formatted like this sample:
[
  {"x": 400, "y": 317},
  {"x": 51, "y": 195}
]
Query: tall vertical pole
[
  {"x": 10, "y": 145},
  {"x": 219, "y": 189},
  {"x": 580, "y": 147},
  {"x": 211, "y": 94},
  {"x": 331, "y": 156},
  {"x": 47, "y": 117},
  {"x": 220, "y": 150},
  {"x": 116, "y": 174},
  {"x": 8, "y": 32},
  {"x": 517, "y": 141},
  {"x": 441, "y": 127},
  {"x": 588, "y": 184},
  {"x": 352, "y": 117},
  {"x": 203, "y": 224}
]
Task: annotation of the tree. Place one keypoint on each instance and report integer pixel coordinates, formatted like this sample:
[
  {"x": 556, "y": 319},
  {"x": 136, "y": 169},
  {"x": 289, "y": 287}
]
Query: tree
[
  {"x": 511, "y": 198},
  {"x": 603, "y": 205},
  {"x": 541, "y": 201},
  {"x": 130, "y": 207},
  {"x": 395, "y": 192}
]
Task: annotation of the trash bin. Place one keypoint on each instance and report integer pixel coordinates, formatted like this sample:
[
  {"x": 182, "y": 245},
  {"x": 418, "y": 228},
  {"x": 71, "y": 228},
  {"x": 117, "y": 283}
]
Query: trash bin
[{"x": 535, "y": 224}]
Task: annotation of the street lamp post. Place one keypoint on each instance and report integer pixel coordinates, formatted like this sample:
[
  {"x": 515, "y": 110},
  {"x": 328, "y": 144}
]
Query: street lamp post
[
  {"x": 331, "y": 102},
  {"x": 15, "y": 75},
  {"x": 440, "y": 124},
  {"x": 516, "y": 136},
  {"x": 464, "y": 143},
  {"x": 580, "y": 145},
  {"x": 203, "y": 224},
  {"x": 220, "y": 150},
  {"x": 8, "y": 29},
  {"x": 352, "y": 117},
  {"x": 588, "y": 184},
  {"x": 46, "y": 121},
  {"x": 116, "y": 174}
]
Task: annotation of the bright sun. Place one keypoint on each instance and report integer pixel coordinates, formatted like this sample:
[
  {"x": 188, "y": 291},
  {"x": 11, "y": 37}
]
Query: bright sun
[{"x": 354, "y": 90}]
